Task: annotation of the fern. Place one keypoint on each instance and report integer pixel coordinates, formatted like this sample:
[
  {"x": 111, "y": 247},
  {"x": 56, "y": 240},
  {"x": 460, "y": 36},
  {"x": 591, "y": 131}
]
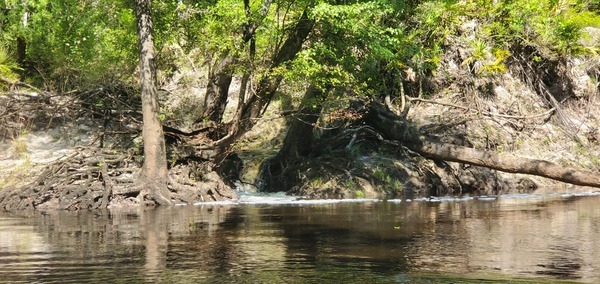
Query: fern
[{"x": 8, "y": 66}]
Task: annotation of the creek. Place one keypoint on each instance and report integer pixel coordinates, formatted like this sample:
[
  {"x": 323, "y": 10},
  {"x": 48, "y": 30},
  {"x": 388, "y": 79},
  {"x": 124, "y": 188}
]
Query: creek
[{"x": 279, "y": 239}]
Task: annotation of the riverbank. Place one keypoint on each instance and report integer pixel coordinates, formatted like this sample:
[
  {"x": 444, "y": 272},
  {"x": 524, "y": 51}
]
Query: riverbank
[
  {"x": 512, "y": 118},
  {"x": 57, "y": 146}
]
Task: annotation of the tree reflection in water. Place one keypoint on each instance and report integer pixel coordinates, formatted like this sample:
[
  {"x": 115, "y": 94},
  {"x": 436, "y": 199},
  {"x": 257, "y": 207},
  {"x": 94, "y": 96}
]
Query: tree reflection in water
[{"x": 505, "y": 238}]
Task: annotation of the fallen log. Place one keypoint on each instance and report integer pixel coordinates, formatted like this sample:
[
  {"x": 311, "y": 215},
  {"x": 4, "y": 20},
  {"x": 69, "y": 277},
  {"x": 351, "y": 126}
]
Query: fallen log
[
  {"x": 393, "y": 127},
  {"x": 506, "y": 163}
]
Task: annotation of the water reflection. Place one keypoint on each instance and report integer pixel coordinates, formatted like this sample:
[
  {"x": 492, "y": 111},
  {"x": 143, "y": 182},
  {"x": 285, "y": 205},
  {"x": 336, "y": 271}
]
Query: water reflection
[{"x": 371, "y": 241}]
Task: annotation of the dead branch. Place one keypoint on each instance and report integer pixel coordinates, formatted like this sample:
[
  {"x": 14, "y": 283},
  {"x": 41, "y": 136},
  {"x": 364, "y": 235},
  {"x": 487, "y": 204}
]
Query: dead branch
[{"x": 546, "y": 113}]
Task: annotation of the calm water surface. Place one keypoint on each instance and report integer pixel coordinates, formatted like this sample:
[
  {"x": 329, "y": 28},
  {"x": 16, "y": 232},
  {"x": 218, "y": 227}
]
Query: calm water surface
[{"x": 524, "y": 238}]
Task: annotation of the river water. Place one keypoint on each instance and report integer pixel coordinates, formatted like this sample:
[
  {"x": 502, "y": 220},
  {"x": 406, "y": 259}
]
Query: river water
[{"x": 277, "y": 239}]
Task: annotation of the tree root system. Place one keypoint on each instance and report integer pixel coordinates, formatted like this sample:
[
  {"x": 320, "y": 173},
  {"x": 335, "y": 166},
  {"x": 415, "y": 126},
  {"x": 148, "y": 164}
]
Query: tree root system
[
  {"x": 384, "y": 155},
  {"x": 103, "y": 173},
  {"x": 101, "y": 178}
]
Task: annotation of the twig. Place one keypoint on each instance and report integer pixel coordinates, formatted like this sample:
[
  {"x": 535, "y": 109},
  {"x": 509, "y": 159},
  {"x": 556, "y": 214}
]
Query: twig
[
  {"x": 19, "y": 83},
  {"x": 484, "y": 112}
]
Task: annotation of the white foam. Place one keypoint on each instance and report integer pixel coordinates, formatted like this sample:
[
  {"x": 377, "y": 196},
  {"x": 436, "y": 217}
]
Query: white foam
[
  {"x": 581, "y": 194},
  {"x": 227, "y": 202},
  {"x": 519, "y": 196},
  {"x": 486, "y": 198},
  {"x": 444, "y": 198},
  {"x": 280, "y": 198}
]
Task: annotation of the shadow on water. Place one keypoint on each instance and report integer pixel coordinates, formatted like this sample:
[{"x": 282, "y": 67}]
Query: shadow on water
[{"x": 460, "y": 241}]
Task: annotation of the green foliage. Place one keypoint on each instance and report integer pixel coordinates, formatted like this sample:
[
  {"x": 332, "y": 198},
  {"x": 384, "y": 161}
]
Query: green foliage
[
  {"x": 584, "y": 18},
  {"x": 360, "y": 194},
  {"x": 221, "y": 25},
  {"x": 479, "y": 51},
  {"x": 553, "y": 26},
  {"x": 351, "y": 184},
  {"x": 500, "y": 56},
  {"x": 362, "y": 48},
  {"x": 8, "y": 67},
  {"x": 355, "y": 46},
  {"x": 397, "y": 186},
  {"x": 73, "y": 42},
  {"x": 382, "y": 175},
  {"x": 484, "y": 60},
  {"x": 432, "y": 23},
  {"x": 316, "y": 182}
]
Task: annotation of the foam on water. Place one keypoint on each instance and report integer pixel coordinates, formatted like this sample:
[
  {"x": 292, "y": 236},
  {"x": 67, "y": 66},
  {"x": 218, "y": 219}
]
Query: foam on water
[
  {"x": 444, "y": 198},
  {"x": 486, "y": 198},
  {"x": 280, "y": 198},
  {"x": 581, "y": 194},
  {"x": 520, "y": 196}
]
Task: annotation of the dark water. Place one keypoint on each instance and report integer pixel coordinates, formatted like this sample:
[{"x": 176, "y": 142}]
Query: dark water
[{"x": 523, "y": 238}]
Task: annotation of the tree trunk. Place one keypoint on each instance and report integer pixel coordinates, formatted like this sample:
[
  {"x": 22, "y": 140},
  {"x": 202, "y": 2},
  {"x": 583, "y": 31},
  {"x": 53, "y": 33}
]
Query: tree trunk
[
  {"x": 297, "y": 145},
  {"x": 396, "y": 128},
  {"x": 154, "y": 173},
  {"x": 256, "y": 103},
  {"x": 507, "y": 163},
  {"x": 267, "y": 86},
  {"x": 21, "y": 51},
  {"x": 221, "y": 75},
  {"x": 21, "y": 43},
  {"x": 217, "y": 89}
]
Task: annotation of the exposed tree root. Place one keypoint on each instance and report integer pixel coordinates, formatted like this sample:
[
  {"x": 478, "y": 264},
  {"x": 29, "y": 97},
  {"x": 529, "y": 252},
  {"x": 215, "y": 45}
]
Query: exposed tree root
[
  {"x": 345, "y": 161},
  {"x": 100, "y": 178},
  {"x": 95, "y": 177},
  {"x": 360, "y": 161}
]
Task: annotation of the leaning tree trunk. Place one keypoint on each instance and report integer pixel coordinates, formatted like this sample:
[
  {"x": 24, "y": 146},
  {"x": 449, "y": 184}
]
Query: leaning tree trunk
[
  {"x": 254, "y": 107},
  {"x": 217, "y": 89},
  {"x": 507, "y": 163},
  {"x": 154, "y": 173},
  {"x": 395, "y": 128},
  {"x": 221, "y": 74}
]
